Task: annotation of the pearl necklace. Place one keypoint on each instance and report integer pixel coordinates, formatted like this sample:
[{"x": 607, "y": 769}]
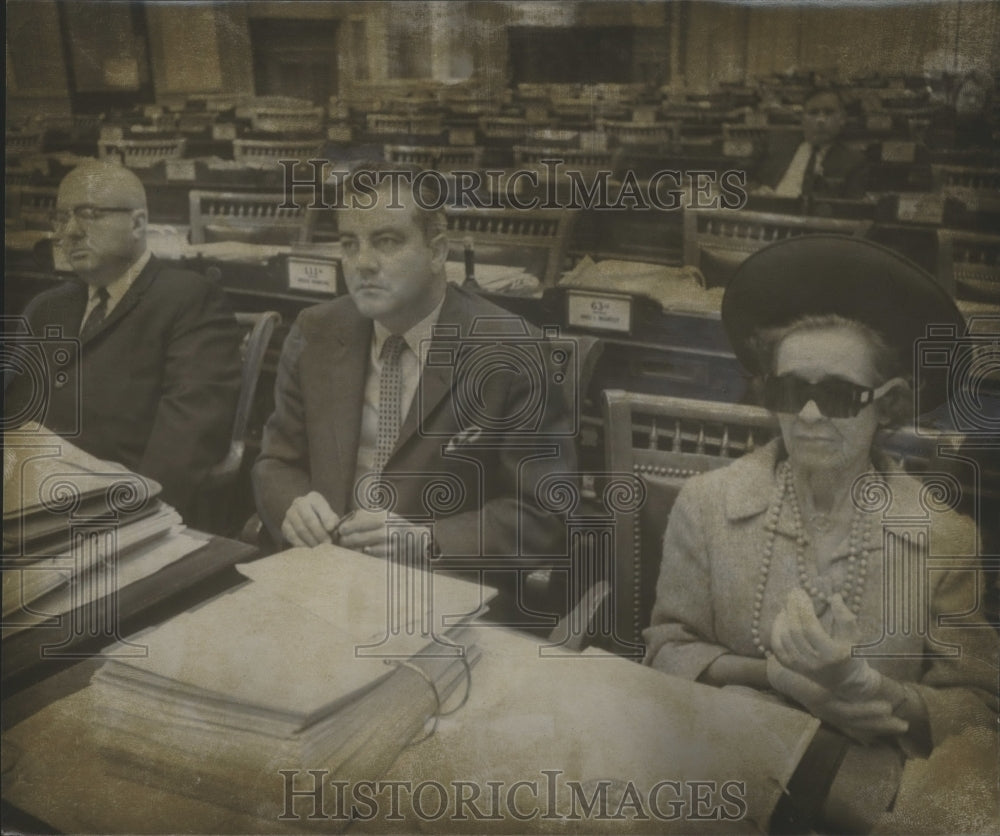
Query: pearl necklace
[{"x": 851, "y": 591}]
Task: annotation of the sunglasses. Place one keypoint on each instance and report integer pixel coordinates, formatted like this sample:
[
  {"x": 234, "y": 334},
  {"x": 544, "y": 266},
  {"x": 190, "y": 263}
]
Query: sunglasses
[{"x": 833, "y": 396}]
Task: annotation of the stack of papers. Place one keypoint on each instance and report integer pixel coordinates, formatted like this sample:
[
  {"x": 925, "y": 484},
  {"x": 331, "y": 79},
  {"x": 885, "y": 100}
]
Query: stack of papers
[
  {"x": 297, "y": 669},
  {"x": 496, "y": 278},
  {"x": 674, "y": 288},
  {"x": 67, "y": 517}
]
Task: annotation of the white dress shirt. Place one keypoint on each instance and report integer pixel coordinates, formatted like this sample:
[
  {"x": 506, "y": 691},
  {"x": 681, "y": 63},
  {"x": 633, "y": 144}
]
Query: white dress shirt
[
  {"x": 791, "y": 182},
  {"x": 118, "y": 288}
]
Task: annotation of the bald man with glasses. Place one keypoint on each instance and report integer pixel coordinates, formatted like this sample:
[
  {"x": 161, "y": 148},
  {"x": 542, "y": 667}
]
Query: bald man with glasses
[{"x": 152, "y": 371}]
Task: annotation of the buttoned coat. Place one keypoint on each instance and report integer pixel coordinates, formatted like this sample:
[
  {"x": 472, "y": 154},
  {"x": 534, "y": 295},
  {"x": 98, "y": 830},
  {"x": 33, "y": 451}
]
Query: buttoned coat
[
  {"x": 476, "y": 482},
  {"x": 843, "y": 172},
  {"x": 153, "y": 388},
  {"x": 712, "y": 570}
]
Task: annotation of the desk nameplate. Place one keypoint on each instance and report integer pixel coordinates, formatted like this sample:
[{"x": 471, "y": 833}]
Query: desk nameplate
[
  {"x": 599, "y": 311},
  {"x": 313, "y": 274}
]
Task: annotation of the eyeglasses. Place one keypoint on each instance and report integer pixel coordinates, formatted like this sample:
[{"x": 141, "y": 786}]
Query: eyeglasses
[
  {"x": 85, "y": 214},
  {"x": 834, "y": 397}
]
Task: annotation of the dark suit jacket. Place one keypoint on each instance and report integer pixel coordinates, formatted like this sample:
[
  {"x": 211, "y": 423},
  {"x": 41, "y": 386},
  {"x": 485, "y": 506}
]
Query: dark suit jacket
[
  {"x": 845, "y": 171},
  {"x": 486, "y": 503},
  {"x": 154, "y": 388}
]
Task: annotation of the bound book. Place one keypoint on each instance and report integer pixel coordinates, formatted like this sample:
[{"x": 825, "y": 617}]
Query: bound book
[
  {"x": 87, "y": 545},
  {"x": 316, "y": 663},
  {"x": 49, "y": 484}
]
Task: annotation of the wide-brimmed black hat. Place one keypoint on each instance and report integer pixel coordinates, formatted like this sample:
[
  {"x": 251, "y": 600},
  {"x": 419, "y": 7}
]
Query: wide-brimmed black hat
[{"x": 814, "y": 275}]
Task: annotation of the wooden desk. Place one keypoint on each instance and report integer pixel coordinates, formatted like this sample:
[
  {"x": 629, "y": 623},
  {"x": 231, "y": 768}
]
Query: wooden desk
[
  {"x": 529, "y": 717},
  {"x": 148, "y": 601}
]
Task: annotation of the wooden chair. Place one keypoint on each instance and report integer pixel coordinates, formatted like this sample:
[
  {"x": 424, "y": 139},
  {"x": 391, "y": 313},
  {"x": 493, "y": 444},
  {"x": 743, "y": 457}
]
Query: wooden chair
[
  {"x": 535, "y": 239},
  {"x": 460, "y": 158},
  {"x": 663, "y": 441},
  {"x": 251, "y": 106},
  {"x": 141, "y": 153},
  {"x": 506, "y": 129},
  {"x": 717, "y": 241},
  {"x": 425, "y": 125},
  {"x": 637, "y": 133},
  {"x": 425, "y": 156},
  {"x": 272, "y": 150},
  {"x": 587, "y": 162},
  {"x": 241, "y": 216},
  {"x": 969, "y": 265},
  {"x": 22, "y": 144},
  {"x": 387, "y": 124},
  {"x": 215, "y": 510},
  {"x": 978, "y": 188},
  {"x": 31, "y": 207},
  {"x": 288, "y": 121}
]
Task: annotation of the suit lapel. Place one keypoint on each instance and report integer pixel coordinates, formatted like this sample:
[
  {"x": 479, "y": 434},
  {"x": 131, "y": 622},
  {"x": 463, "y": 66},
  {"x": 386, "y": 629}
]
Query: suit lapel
[
  {"x": 128, "y": 301},
  {"x": 436, "y": 381},
  {"x": 66, "y": 310},
  {"x": 337, "y": 368}
]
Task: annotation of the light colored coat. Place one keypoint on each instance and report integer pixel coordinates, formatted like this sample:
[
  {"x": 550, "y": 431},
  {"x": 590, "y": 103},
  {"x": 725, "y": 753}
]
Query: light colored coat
[{"x": 711, "y": 571}]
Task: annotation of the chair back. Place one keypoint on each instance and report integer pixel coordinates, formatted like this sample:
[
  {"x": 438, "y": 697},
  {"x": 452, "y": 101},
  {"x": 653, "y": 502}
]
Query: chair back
[
  {"x": 22, "y": 143},
  {"x": 244, "y": 216},
  {"x": 664, "y": 441},
  {"x": 717, "y": 241},
  {"x": 141, "y": 153},
  {"x": 969, "y": 265},
  {"x": 31, "y": 207},
  {"x": 272, "y": 150},
  {"x": 214, "y": 512},
  {"x": 639, "y": 133},
  {"x": 535, "y": 239}
]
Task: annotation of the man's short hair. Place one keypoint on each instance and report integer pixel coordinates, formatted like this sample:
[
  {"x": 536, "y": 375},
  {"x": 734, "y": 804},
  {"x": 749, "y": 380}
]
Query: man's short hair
[
  {"x": 816, "y": 92},
  {"x": 427, "y": 193}
]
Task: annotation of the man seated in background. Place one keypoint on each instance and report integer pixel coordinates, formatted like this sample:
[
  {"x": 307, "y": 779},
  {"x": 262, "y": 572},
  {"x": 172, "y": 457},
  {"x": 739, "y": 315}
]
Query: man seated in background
[
  {"x": 817, "y": 163},
  {"x": 142, "y": 362},
  {"x": 413, "y": 401}
]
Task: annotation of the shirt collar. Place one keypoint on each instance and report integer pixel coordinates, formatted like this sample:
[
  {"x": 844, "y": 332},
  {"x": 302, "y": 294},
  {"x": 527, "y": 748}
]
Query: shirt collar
[
  {"x": 120, "y": 286},
  {"x": 417, "y": 338}
]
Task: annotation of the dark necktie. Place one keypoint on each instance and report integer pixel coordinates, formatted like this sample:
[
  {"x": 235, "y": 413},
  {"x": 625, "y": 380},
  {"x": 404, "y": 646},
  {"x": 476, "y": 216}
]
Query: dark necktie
[
  {"x": 389, "y": 393},
  {"x": 97, "y": 315}
]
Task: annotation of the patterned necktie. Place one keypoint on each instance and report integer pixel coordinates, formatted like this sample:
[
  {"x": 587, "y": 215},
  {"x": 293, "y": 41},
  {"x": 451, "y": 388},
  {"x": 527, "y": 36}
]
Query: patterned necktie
[
  {"x": 97, "y": 314},
  {"x": 389, "y": 393}
]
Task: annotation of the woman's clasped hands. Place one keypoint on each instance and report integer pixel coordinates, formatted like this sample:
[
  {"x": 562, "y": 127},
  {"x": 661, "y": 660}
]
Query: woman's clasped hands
[{"x": 816, "y": 669}]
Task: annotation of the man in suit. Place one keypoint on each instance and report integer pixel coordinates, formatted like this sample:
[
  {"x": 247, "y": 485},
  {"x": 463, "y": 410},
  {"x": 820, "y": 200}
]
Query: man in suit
[
  {"x": 142, "y": 358},
  {"x": 412, "y": 401},
  {"x": 817, "y": 163}
]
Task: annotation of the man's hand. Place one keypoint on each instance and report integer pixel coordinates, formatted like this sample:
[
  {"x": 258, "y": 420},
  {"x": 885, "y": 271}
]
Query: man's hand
[
  {"x": 309, "y": 521},
  {"x": 860, "y": 719},
  {"x": 368, "y": 532}
]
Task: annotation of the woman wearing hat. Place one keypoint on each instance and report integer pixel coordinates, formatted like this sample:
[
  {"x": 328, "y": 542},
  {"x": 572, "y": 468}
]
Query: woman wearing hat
[{"x": 775, "y": 566}]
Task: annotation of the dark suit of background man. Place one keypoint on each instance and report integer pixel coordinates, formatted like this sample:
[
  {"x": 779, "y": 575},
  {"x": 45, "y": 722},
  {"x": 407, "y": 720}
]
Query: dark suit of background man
[
  {"x": 320, "y": 445},
  {"x": 155, "y": 383},
  {"x": 817, "y": 163}
]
